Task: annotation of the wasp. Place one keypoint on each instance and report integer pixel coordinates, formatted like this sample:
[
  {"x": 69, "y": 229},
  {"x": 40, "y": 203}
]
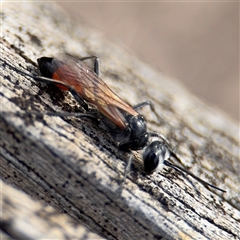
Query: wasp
[
  {"x": 84, "y": 83},
  {"x": 87, "y": 87}
]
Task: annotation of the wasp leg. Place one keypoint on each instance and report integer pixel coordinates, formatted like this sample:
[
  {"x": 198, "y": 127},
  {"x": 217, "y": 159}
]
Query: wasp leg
[
  {"x": 42, "y": 79},
  {"x": 143, "y": 104},
  {"x": 146, "y": 103},
  {"x": 77, "y": 97},
  {"x": 96, "y": 63},
  {"x": 128, "y": 167},
  {"x": 53, "y": 114}
]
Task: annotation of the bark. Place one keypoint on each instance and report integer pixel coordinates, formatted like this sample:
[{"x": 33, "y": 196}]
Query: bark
[{"x": 74, "y": 166}]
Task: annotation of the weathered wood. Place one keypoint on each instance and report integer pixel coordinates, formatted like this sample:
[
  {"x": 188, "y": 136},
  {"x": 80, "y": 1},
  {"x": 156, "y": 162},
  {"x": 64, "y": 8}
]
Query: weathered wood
[
  {"x": 75, "y": 167},
  {"x": 23, "y": 218}
]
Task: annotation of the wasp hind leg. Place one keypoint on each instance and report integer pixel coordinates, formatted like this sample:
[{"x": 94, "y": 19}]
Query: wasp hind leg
[
  {"x": 96, "y": 67},
  {"x": 74, "y": 93},
  {"x": 42, "y": 79}
]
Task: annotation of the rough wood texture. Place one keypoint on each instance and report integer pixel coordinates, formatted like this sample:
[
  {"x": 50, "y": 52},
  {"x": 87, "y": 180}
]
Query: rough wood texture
[
  {"x": 75, "y": 167},
  {"x": 25, "y": 219}
]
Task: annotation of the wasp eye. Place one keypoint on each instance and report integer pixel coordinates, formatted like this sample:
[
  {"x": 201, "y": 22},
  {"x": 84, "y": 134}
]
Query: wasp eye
[{"x": 151, "y": 162}]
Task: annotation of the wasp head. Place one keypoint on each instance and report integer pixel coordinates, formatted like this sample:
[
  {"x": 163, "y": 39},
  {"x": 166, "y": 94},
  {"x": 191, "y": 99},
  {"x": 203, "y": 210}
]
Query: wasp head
[{"x": 154, "y": 155}]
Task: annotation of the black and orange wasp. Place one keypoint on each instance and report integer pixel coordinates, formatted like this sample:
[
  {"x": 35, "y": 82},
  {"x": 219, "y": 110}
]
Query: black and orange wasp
[
  {"x": 73, "y": 75},
  {"x": 87, "y": 87}
]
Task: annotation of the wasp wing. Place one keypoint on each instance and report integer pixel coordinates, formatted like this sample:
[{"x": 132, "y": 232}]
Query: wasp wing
[{"x": 91, "y": 88}]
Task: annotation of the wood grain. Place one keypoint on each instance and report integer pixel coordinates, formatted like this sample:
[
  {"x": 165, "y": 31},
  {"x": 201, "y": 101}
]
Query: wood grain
[
  {"x": 24, "y": 218},
  {"x": 74, "y": 166}
]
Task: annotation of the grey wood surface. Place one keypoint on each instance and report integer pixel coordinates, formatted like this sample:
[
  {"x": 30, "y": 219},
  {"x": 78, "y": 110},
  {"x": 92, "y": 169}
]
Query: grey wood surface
[
  {"x": 24, "y": 218},
  {"x": 74, "y": 166}
]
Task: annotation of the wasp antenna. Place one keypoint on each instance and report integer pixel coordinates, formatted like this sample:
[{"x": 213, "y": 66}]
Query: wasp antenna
[{"x": 167, "y": 163}]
